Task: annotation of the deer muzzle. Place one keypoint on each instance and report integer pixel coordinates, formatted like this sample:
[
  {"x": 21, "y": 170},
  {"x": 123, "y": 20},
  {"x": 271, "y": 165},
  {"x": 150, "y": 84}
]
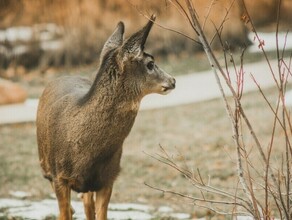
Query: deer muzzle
[{"x": 168, "y": 85}]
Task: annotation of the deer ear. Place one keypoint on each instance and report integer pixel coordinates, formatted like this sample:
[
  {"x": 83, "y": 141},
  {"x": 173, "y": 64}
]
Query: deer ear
[
  {"x": 134, "y": 45},
  {"x": 115, "y": 40}
]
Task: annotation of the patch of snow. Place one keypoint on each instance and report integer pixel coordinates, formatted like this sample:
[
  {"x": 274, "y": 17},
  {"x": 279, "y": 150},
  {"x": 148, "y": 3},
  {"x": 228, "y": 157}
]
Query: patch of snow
[
  {"x": 130, "y": 206},
  {"x": 269, "y": 40},
  {"x": 165, "y": 209},
  {"x": 37, "y": 210},
  {"x": 78, "y": 207},
  {"x": 16, "y": 34},
  {"x": 42, "y": 209},
  {"x": 21, "y": 49},
  {"x": 5, "y": 203},
  {"x": 19, "y": 39},
  {"x": 48, "y": 207},
  {"x": 243, "y": 218},
  {"x": 123, "y": 215},
  {"x": 180, "y": 215},
  {"x": 43, "y": 32},
  {"x": 20, "y": 194}
]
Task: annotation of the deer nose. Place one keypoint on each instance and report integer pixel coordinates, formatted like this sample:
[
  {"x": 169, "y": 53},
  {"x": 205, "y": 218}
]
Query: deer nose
[{"x": 173, "y": 81}]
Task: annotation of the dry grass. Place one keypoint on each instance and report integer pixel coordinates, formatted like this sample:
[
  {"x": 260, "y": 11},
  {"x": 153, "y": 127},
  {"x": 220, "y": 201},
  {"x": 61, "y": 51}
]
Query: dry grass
[{"x": 197, "y": 135}]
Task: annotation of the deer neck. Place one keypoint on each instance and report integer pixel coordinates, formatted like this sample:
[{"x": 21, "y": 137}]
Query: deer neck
[{"x": 110, "y": 93}]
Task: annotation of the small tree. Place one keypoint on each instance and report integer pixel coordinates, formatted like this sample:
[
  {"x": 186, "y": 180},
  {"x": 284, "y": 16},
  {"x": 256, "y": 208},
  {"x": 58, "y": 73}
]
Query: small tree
[{"x": 264, "y": 188}]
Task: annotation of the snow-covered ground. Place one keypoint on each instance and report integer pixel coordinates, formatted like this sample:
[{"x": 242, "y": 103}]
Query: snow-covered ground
[
  {"x": 37, "y": 210},
  {"x": 43, "y": 32},
  {"x": 17, "y": 40}
]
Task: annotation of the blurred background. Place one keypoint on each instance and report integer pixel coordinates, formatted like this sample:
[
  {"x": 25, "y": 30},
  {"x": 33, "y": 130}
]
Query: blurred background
[{"x": 42, "y": 33}]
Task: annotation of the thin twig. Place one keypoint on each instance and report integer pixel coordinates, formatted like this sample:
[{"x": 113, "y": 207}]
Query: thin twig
[
  {"x": 162, "y": 26},
  {"x": 212, "y": 3},
  {"x": 261, "y": 43},
  {"x": 220, "y": 28},
  {"x": 221, "y": 202},
  {"x": 167, "y": 160}
]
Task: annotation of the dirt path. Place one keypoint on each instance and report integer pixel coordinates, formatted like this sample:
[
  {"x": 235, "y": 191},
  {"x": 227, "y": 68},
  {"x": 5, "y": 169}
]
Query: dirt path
[{"x": 202, "y": 86}]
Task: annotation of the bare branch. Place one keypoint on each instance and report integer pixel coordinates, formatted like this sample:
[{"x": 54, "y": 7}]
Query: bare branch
[
  {"x": 195, "y": 199},
  {"x": 259, "y": 188},
  {"x": 220, "y": 28},
  {"x": 162, "y": 26}
]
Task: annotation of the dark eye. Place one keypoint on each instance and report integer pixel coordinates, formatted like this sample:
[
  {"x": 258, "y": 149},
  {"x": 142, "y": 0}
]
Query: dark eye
[{"x": 150, "y": 65}]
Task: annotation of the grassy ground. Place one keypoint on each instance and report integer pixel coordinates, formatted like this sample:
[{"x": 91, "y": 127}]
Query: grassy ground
[{"x": 197, "y": 135}]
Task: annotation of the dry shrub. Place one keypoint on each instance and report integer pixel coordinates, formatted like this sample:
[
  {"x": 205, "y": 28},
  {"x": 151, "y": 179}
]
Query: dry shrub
[{"x": 263, "y": 164}]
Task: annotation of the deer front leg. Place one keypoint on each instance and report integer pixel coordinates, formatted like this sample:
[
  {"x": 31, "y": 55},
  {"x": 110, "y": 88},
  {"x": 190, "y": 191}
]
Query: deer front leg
[
  {"x": 101, "y": 204},
  {"x": 88, "y": 204},
  {"x": 53, "y": 187},
  {"x": 63, "y": 193}
]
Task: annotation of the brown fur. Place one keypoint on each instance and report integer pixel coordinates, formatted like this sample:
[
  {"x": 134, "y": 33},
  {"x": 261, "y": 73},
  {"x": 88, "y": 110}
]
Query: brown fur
[{"x": 81, "y": 125}]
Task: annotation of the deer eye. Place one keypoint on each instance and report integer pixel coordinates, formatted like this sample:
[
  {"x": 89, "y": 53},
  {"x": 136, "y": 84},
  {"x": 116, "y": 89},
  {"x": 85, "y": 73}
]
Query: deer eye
[{"x": 150, "y": 65}]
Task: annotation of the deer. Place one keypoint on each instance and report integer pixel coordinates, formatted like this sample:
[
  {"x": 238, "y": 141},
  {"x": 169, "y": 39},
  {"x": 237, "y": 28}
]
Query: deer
[{"x": 82, "y": 123}]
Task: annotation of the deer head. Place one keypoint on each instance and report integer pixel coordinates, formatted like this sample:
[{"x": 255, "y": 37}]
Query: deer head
[{"x": 136, "y": 67}]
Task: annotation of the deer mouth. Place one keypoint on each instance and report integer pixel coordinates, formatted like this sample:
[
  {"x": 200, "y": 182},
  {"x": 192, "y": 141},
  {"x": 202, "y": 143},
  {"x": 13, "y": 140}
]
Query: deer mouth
[{"x": 166, "y": 88}]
